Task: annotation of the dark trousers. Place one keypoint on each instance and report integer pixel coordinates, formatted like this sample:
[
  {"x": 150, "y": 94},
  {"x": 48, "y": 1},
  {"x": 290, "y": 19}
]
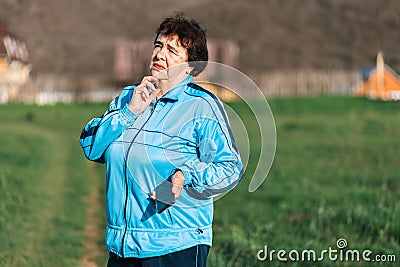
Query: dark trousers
[{"x": 192, "y": 257}]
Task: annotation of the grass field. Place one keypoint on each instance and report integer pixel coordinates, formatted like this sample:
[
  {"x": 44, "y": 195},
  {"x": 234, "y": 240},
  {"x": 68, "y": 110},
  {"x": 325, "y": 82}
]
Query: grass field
[{"x": 336, "y": 175}]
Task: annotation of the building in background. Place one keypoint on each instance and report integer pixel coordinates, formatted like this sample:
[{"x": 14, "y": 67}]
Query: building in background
[
  {"x": 379, "y": 82},
  {"x": 14, "y": 66}
]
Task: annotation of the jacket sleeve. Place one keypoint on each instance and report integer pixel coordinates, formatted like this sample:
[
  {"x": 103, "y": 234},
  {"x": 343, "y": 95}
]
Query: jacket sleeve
[
  {"x": 218, "y": 167},
  {"x": 100, "y": 132}
]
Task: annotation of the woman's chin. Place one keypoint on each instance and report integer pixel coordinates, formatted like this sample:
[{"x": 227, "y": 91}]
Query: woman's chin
[{"x": 160, "y": 74}]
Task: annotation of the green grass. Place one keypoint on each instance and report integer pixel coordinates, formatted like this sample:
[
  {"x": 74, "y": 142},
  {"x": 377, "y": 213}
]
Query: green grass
[
  {"x": 43, "y": 182},
  {"x": 336, "y": 174}
]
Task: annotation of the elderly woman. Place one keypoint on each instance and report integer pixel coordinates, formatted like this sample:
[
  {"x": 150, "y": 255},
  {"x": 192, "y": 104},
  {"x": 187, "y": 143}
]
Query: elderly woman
[{"x": 168, "y": 151}]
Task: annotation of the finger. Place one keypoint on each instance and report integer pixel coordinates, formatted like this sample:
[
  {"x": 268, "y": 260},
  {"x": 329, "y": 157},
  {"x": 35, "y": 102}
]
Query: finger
[
  {"x": 176, "y": 190},
  {"x": 153, "y": 195},
  {"x": 154, "y": 94},
  {"x": 151, "y": 82},
  {"x": 178, "y": 178},
  {"x": 143, "y": 90},
  {"x": 148, "y": 80},
  {"x": 154, "y": 90},
  {"x": 151, "y": 79},
  {"x": 149, "y": 85}
]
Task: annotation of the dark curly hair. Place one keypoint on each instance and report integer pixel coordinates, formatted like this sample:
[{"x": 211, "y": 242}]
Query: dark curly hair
[{"x": 190, "y": 35}]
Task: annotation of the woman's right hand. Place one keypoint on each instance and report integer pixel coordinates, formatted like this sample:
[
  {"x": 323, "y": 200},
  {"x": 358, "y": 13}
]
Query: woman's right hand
[{"x": 141, "y": 98}]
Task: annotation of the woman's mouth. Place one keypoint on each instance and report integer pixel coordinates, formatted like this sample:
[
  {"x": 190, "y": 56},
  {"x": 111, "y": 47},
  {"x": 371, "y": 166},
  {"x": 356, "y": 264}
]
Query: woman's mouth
[{"x": 158, "y": 67}]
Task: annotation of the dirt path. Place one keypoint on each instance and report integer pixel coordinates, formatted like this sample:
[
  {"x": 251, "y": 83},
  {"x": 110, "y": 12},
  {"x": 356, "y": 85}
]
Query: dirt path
[{"x": 92, "y": 230}]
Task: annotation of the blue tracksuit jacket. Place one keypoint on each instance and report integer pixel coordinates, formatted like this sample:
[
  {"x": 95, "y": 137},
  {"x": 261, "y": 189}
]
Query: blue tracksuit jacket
[{"x": 186, "y": 129}]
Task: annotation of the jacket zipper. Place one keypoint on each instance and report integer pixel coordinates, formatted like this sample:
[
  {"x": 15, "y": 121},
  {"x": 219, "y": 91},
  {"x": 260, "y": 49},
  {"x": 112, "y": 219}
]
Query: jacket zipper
[
  {"x": 170, "y": 216},
  {"x": 153, "y": 107}
]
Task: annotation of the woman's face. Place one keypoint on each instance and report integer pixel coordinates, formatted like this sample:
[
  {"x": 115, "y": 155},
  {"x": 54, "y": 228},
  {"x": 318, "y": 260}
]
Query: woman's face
[{"x": 167, "y": 53}]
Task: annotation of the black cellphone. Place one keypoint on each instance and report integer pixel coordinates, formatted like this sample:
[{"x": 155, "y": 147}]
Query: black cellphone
[{"x": 164, "y": 196}]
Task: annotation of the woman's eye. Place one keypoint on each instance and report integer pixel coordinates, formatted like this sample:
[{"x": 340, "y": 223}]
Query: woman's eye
[{"x": 173, "y": 52}]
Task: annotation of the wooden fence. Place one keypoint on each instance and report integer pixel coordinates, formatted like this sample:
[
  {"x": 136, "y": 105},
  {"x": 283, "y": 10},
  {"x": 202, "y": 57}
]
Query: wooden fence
[
  {"x": 305, "y": 83},
  {"x": 49, "y": 89}
]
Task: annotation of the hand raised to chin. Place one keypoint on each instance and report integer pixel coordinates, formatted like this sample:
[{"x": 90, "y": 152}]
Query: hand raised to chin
[{"x": 141, "y": 98}]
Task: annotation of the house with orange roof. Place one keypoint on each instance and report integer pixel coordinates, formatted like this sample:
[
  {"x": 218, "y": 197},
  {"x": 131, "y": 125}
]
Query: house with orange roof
[{"x": 379, "y": 82}]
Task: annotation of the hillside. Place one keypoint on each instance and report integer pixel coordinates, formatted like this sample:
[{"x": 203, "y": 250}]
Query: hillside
[{"x": 77, "y": 37}]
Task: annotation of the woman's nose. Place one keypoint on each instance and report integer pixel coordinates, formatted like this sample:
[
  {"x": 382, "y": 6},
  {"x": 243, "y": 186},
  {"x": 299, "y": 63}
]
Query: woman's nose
[{"x": 161, "y": 54}]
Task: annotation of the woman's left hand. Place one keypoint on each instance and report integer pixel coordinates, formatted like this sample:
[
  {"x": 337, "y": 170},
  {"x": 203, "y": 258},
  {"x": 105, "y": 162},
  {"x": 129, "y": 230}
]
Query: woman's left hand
[{"x": 177, "y": 181}]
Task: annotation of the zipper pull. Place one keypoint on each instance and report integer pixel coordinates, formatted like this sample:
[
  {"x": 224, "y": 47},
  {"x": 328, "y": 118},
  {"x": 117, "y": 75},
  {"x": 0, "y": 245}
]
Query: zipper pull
[{"x": 153, "y": 106}]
